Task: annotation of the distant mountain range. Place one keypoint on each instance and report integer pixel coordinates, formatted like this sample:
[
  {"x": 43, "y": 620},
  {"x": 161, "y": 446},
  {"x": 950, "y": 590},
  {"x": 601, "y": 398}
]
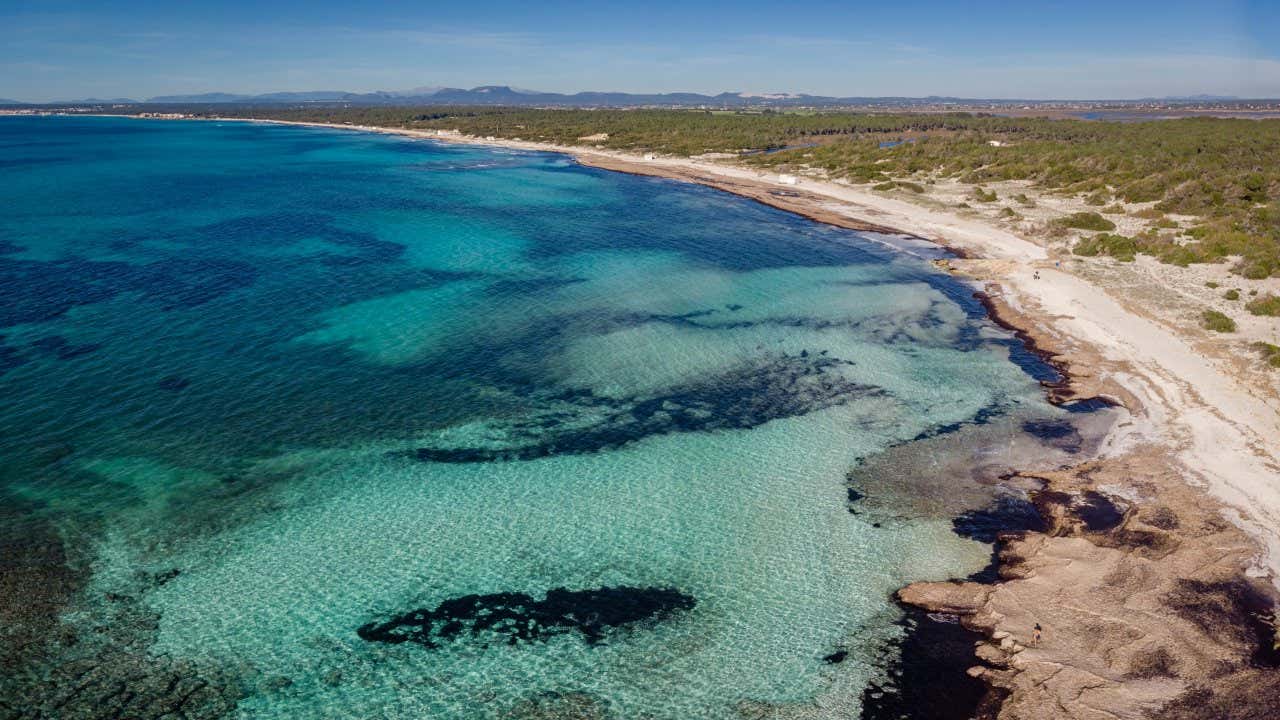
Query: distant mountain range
[
  {"x": 494, "y": 95},
  {"x": 1199, "y": 98},
  {"x": 508, "y": 96}
]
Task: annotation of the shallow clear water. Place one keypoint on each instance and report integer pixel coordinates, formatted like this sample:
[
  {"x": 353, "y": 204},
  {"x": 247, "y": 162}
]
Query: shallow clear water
[{"x": 333, "y": 378}]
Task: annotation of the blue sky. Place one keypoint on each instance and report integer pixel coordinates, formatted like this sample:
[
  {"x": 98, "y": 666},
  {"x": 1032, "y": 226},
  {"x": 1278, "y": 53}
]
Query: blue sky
[{"x": 1084, "y": 49}]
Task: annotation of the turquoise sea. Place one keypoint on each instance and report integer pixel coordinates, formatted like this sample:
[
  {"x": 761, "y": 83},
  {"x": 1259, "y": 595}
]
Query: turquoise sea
[{"x": 305, "y": 423}]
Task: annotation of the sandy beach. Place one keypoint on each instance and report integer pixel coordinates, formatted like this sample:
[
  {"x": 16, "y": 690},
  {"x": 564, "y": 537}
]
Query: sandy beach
[{"x": 1140, "y": 615}]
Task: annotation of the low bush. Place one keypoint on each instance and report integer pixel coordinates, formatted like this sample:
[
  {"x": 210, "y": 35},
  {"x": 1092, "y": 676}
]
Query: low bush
[
  {"x": 1232, "y": 295},
  {"x": 900, "y": 185},
  {"x": 985, "y": 196},
  {"x": 1087, "y": 221},
  {"x": 1119, "y": 247},
  {"x": 1268, "y": 305},
  {"x": 1270, "y": 353},
  {"x": 1217, "y": 322}
]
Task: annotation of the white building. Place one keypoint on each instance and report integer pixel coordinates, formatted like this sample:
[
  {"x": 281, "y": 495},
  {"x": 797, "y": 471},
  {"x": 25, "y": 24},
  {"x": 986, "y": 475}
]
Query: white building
[{"x": 788, "y": 179}]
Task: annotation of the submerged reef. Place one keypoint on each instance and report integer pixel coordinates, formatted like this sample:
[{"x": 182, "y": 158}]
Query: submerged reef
[
  {"x": 579, "y": 422},
  {"x": 513, "y": 617}
]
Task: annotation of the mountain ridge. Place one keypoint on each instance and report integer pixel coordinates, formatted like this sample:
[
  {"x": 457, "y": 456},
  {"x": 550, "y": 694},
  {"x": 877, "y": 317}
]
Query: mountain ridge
[
  {"x": 507, "y": 96},
  {"x": 504, "y": 95}
]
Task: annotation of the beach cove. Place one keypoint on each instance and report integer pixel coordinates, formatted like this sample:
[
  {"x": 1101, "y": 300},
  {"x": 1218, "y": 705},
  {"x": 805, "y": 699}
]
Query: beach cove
[
  {"x": 330, "y": 423},
  {"x": 1199, "y": 422}
]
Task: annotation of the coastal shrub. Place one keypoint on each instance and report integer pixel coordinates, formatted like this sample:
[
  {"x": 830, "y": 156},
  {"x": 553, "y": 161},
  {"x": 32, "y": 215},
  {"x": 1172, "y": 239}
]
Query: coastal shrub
[
  {"x": 1257, "y": 268},
  {"x": 1255, "y": 188},
  {"x": 1211, "y": 285},
  {"x": 1120, "y": 247},
  {"x": 1024, "y": 200},
  {"x": 1166, "y": 223},
  {"x": 1217, "y": 322},
  {"x": 1087, "y": 221},
  {"x": 1173, "y": 253},
  {"x": 1116, "y": 209},
  {"x": 1009, "y": 213},
  {"x": 983, "y": 195},
  {"x": 1232, "y": 295},
  {"x": 863, "y": 174},
  {"x": 1097, "y": 199},
  {"x": 1270, "y": 353},
  {"x": 900, "y": 185},
  {"x": 1268, "y": 305}
]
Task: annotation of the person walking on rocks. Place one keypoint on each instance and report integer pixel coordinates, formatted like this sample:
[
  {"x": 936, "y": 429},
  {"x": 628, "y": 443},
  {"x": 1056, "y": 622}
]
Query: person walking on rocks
[{"x": 1035, "y": 635}]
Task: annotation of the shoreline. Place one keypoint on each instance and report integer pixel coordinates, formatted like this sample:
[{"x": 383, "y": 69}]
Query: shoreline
[
  {"x": 1198, "y": 447},
  {"x": 1044, "y": 310}
]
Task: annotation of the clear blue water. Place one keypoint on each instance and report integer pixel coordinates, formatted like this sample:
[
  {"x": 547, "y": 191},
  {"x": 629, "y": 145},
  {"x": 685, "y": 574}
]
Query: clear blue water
[{"x": 268, "y": 385}]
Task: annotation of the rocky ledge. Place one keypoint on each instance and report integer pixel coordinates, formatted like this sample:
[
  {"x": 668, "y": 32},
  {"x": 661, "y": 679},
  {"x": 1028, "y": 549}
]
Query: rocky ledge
[{"x": 1147, "y": 607}]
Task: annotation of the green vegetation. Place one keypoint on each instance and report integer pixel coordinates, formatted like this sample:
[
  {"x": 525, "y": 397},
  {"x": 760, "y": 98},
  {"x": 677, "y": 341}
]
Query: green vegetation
[
  {"x": 1211, "y": 285},
  {"x": 1270, "y": 353},
  {"x": 1217, "y": 322},
  {"x": 1221, "y": 171},
  {"x": 1086, "y": 221},
  {"x": 900, "y": 184},
  {"x": 984, "y": 195},
  {"x": 1117, "y": 246},
  {"x": 1268, "y": 305},
  {"x": 1232, "y": 295}
]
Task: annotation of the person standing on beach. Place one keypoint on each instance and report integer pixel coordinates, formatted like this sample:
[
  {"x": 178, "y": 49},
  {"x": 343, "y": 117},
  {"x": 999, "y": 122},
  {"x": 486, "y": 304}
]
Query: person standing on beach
[{"x": 1035, "y": 635}]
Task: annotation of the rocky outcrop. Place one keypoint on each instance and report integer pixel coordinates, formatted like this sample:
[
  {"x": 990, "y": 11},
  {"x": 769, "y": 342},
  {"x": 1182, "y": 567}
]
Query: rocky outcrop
[{"x": 1153, "y": 616}]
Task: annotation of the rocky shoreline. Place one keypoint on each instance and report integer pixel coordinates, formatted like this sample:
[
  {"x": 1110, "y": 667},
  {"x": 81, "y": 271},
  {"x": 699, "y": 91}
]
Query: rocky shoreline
[
  {"x": 1174, "y": 628},
  {"x": 1154, "y": 613},
  {"x": 1140, "y": 585}
]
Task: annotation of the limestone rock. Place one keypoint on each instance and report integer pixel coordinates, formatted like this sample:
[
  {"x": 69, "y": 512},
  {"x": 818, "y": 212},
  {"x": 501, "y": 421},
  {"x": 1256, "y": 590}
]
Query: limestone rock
[{"x": 955, "y": 598}]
